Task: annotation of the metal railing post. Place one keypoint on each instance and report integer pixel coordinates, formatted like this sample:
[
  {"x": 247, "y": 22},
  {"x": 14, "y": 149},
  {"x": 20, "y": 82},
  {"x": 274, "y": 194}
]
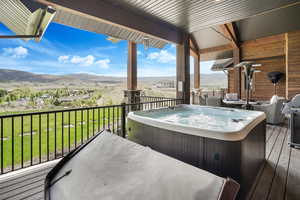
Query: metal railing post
[{"x": 123, "y": 120}]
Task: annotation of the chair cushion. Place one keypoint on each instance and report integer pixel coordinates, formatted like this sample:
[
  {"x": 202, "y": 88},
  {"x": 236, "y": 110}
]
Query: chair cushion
[
  {"x": 274, "y": 99},
  {"x": 231, "y": 96},
  {"x": 296, "y": 101}
]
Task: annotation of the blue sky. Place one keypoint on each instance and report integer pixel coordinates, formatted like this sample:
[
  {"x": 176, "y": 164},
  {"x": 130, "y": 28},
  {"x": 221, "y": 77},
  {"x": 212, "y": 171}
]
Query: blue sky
[{"x": 66, "y": 50}]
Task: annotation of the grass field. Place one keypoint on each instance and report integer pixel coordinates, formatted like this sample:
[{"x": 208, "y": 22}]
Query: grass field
[{"x": 39, "y": 136}]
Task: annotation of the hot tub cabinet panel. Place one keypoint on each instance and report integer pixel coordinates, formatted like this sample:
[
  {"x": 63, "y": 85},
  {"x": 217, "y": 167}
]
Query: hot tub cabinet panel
[{"x": 240, "y": 160}]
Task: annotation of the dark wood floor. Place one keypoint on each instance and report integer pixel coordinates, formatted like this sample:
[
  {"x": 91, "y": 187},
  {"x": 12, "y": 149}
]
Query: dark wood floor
[
  {"x": 278, "y": 179},
  {"x": 25, "y": 184}
]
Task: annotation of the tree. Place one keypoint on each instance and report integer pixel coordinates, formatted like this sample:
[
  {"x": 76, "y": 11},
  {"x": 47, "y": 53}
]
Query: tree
[
  {"x": 3, "y": 92},
  {"x": 56, "y": 102}
]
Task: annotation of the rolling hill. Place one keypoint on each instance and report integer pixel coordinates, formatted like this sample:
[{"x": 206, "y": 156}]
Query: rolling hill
[{"x": 16, "y": 76}]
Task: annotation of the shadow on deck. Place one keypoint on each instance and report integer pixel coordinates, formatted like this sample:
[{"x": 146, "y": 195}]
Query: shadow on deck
[{"x": 278, "y": 179}]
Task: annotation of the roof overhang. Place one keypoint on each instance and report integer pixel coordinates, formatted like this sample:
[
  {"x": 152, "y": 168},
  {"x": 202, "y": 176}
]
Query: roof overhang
[
  {"x": 222, "y": 64},
  {"x": 91, "y": 24},
  {"x": 107, "y": 18},
  {"x": 25, "y": 18}
]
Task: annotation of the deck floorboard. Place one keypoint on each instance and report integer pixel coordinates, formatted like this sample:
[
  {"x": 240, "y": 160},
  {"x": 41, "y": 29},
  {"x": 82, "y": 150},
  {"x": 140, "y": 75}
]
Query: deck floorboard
[
  {"x": 266, "y": 179},
  {"x": 278, "y": 179}
]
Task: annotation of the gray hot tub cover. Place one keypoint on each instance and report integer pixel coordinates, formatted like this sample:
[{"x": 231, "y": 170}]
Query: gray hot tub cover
[{"x": 113, "y": 168}]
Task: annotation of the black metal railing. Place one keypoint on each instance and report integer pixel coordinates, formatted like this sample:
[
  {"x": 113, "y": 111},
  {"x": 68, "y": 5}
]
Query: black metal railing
[
  {"x": 144, "y": 98},
  {"x": 32, "y": 138}
]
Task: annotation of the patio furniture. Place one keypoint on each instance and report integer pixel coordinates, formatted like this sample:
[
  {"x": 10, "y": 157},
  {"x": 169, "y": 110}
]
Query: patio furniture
[
  {"x": 213, "y": 101},
  {"x": 249, "y": 68},
  {"x": 238, "y": 103},
  {"x": 294, "y": 126},
  {"x": 273, "y": 110},
  {"x": 112, "y": 168},
  {"x": 292, "y": 111},
  {"x": 231, "y": 97},
  {"x": 198, "y": 98}
]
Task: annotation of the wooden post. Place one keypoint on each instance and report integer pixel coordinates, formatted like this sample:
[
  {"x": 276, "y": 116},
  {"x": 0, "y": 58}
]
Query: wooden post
[
  {"x": 132, "y": 66},
  {"x": 286, "y": 35},
  {"x": 183, "y": 70},
  {"x": 197, "y": 72},
  {"x": 237, "y": 72},
  {"x": 132, "y": 94}
]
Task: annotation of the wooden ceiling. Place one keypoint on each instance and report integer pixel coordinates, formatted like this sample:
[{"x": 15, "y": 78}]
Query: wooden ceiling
[
  {"x": 194, "y": 15},
  {"x": 169, "y": 20},
  {"x": 92, "y": 25}
]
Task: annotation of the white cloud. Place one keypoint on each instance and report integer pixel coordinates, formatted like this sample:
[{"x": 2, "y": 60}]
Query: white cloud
[
  {"x": 18, "y": 52},
  {"x": 63, "y": 59},
  {"x": 163, "y": 56},
  {"x": 103, "y": 63},
  {"x": 139, "y": 53},
  {"x": 83, "y": 61}
]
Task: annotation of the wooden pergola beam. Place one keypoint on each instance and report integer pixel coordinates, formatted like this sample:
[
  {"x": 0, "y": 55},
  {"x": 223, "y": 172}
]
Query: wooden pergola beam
[
  {"x": 132, "y": 66},
  {"x": 183, "y": 70},
  {"x": 193, "y": 43},
  {"x": 229, "y": 32},
  {"x": 111, "y": 14},
  {"x": 197, "y": 72},
  {"x": 194, "y": 51},
  {"x": 214, "y": 49}
]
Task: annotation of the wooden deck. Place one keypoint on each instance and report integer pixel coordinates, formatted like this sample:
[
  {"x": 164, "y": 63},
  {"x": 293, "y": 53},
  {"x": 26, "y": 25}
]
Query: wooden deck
[
  {"x": 25, "y": 184},
  {"x": 278, "y": 179}
]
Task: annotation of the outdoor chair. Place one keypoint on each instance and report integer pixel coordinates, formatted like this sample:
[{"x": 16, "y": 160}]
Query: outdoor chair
[
  {"x": 213, "y": 101},
  {"x": 231, "y": 97},
  {"x": 292, "y": 112},
  {"x": 273, "y": 110}
]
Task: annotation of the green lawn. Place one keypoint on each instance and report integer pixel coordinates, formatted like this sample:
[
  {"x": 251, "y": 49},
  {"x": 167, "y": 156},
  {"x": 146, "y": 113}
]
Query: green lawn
[{"x": 67, "y": 130}]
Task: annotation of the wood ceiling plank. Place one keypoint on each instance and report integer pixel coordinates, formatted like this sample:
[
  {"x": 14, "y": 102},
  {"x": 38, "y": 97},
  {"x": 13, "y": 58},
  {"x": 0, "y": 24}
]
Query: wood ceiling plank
[{"x": 108, "y": 13}]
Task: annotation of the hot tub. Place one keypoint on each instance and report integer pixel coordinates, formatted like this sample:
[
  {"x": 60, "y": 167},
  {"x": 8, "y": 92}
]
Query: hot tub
[{"x": 225, "y": 141}]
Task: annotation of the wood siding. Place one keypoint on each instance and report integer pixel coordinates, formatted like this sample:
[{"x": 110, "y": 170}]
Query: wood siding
[
  {"x": 231, "y": 81},
  {"x": 275, "y": 53},
  {"x": 270, "y": 52},
  {"x": 267, "y": 47},
  {"x": 263, "y": 89},
  {"x": 293, "y": 63}
]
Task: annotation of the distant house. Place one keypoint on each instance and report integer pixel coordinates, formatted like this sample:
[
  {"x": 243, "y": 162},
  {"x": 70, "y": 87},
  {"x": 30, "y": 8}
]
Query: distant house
[
  {"x": 74, "y": 92},
  {"x": 66, "y": 99},
  {"x": 90, "y": 90},
  {"x": 46, "y": 96},
  {"x": 39, "y": 102},
  {"x": 22, "y": 101},
  {"x": 73, "y": 98},
  {"x": 165, "y": 84}
]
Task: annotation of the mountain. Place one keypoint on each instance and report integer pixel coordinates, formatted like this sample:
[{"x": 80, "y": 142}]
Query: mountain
[{"x": 7, "y": 75}]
